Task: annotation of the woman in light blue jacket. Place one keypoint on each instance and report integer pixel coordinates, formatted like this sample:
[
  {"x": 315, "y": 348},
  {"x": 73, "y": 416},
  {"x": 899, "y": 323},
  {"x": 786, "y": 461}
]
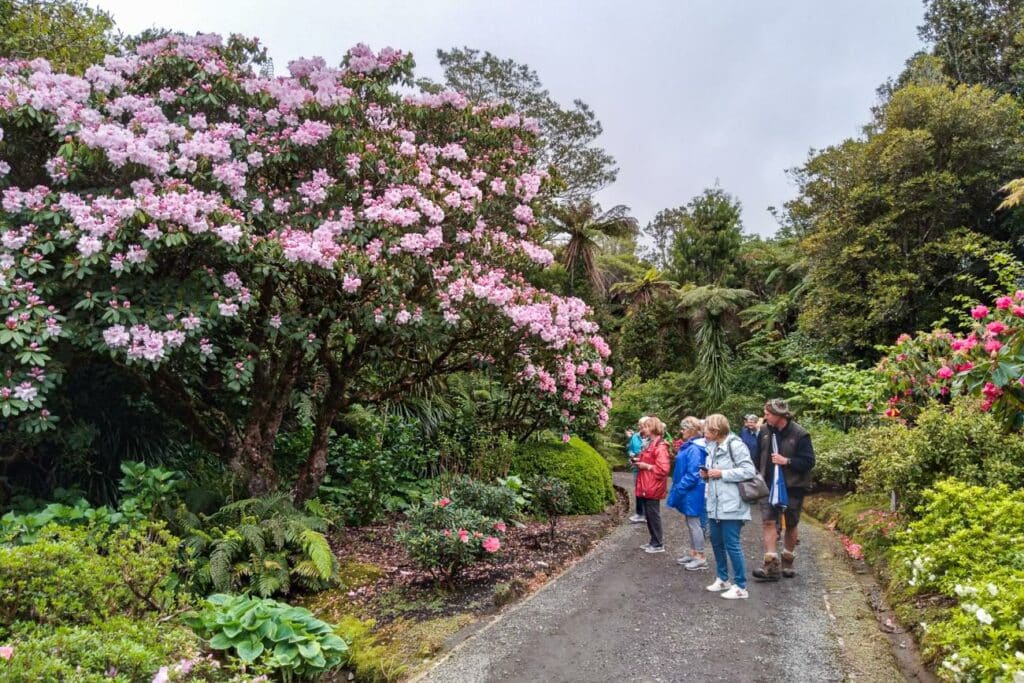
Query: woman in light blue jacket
[{"x": 728, "y": 462}]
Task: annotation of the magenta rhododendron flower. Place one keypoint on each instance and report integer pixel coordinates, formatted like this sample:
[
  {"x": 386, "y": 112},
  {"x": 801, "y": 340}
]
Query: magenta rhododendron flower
[
  {"x": 1004, "y": 302},
  {"x": 993, "y": 345},
  {"x": 978, "y": 312},
  {"x": 944, "y": 372},
  {"x": 996, "y": 327},
  {"x": 491, "y": 544},
  {"x": 463, "y": 535},
  {"x": 991, "y": 391},
  {"x": 443, "y": 502},
  {"x": 500, "y": 526}
]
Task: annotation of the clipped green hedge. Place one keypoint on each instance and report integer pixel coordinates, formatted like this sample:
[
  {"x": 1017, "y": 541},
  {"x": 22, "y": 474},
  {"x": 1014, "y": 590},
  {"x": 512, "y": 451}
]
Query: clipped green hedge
[{"x": 584, "y": 471}]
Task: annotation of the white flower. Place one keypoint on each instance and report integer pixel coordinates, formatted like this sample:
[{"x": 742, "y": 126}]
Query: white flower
[
  {"x": 993, "y": 589},
  {"x": 984, "y": 617}
]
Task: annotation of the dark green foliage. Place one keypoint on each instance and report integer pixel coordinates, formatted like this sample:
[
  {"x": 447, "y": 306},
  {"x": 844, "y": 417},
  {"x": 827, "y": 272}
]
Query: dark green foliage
[
  {"x": 113, "y": 650},
  {"x": 550, "y": 499},
  {"x": 261, "y": 545},
  {"x": 24, "y": 528},
  {"x": 707, "y": 239},
  {"x": 959, "y": 441},
  {"x": 382, "y": 469},
  {"x": 498, "y": 502},
  {"x": 583, "y": 470},
  {"x": 276, "y": 636},
  {"x": 69, "y": 33},
  {"x": 444, "y": 537}
]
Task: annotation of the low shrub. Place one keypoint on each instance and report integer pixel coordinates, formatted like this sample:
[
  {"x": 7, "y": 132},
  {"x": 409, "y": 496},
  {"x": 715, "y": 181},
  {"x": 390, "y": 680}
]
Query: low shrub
[
  {"x": 498, "y": 502},
  {"x": 23, "y": 528},
  {"x": 968, "y": 547},
  {"x": 118, "y": 650},
  {"x": 88, "y": 573},
  {"x": 274, "y": 636},
  {"x": 260, "y": 545},
  {"x": 445, "y": 537},
  {"x": 584, "y": 471},
  {"x": 385, "y": 470},
  {"x": 839, "y": 455},
  {"x": 370, "y": 660},
  {"x": 959, "y": 441},
  {"x": 550, "y": 499}
]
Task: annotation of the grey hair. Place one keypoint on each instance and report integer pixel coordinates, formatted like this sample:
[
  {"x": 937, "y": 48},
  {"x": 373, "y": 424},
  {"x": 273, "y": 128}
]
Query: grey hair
[{"x": 690, "y": 423}]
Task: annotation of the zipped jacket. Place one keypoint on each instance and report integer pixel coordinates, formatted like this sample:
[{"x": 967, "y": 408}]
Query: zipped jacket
[
  {"x": 723, "y": 495},
  {"x": 653, "y": 483}
]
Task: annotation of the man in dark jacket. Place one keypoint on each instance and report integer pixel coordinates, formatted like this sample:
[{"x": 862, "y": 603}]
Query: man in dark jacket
[
  {"x": 784, "y": 444},
  {"x": 749, "y": 435}
]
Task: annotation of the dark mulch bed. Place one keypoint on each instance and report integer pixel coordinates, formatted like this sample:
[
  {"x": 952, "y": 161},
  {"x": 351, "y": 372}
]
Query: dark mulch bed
[{"x": 527, "y": 560}]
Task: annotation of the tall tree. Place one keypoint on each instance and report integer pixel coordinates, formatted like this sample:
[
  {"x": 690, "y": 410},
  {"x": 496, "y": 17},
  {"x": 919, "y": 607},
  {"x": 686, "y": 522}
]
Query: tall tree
[
  {"x": 568, "y": 134},
  {"x": 978, "y": 41},
  {"x": 895, "y": 216},
  {"x": 68, "y": 33},
  {"x": 580, "y": 225},
  {"x": 662, "y": 234},
  {"x": 644, "y": 289},
  {"x": 712, "y": 311},
  {"x": 708, "y": 239}
]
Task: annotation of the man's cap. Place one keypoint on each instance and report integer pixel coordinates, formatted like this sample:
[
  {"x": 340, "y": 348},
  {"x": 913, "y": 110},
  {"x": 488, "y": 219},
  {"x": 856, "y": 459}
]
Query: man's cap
[{"x": 778, "y": 406}]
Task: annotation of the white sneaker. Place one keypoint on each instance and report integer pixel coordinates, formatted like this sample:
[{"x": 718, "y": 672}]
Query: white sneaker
[
  {"x": 645, "y": 546},
  {"x": 696, "y": 565},
  {"x": 718, "y": 586},
  {"x": 735, "y": 593},
  {"x": 637, "y": 519},
  {"x": 654, "y": 549}
]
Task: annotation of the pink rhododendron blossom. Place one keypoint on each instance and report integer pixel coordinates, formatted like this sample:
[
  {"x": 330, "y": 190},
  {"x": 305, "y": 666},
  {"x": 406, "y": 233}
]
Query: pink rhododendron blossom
[
  {"x": 6, "y": 652},
  {"x": 491, "y": 544},
  {"x": 996, "y": 327},
  {"x": 443, "y": 502},
  {"x": 979, "y": 312},
  {"x": 944, "y": 372},
  {"x": 500, "y": 527},
  {"x": 463, "y": 535},
  {"x": 993, "y": 345},
  {"x": 1004, "y": 302}
]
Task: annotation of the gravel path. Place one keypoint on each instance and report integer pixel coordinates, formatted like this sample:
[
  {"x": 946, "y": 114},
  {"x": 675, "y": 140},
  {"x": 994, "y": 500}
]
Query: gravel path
[{"x": 622, "y": 614}]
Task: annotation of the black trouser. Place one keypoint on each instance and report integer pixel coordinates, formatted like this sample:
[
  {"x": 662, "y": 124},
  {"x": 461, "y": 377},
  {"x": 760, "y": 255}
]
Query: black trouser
[
  {"x": 652, "y": 511},
  {"x": 639, "y": 500}
]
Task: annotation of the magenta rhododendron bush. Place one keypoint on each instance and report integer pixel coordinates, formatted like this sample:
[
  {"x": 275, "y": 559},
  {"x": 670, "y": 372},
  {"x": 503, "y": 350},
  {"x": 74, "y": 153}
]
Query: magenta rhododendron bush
[
  {"x": 232, "y": 238},
  {"x": 987, "y": 362}
]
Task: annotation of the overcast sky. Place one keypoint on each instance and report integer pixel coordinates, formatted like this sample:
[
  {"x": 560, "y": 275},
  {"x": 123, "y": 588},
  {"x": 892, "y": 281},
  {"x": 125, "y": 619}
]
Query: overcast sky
[{"x": 688, "y": 91}]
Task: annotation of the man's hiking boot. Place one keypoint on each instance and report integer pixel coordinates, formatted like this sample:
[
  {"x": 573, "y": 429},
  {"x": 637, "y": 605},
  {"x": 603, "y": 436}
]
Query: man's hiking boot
[
  {"x": 771, "y": 570},
  {"x": 788, "y": 556}
]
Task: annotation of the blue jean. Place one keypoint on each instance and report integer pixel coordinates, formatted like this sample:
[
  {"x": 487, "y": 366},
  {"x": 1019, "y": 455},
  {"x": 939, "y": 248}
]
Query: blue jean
[{"x": 725, "y": 541}]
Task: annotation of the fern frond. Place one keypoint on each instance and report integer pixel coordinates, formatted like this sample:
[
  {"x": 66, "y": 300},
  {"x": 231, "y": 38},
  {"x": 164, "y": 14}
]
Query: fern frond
[{"x": 319, "y": 552}]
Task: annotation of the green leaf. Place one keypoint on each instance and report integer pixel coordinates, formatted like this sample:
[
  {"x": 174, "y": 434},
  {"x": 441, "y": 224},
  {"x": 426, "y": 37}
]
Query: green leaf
[{"x": 249, "y": 650}]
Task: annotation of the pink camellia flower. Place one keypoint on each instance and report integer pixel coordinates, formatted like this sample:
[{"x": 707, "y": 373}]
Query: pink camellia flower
[
  {"x": 993, "y": 345},
  {"x": 1004, "y": 302},
  {"x": 500, "y": 526},
  {"x": 996, "y": 327},
  {"x": 979, "y": 312},
  {"x": 6, "y": 652},
  {"x": 491, "y": 544},
  {"x": 463, "y": 535},
  {"x": 944, "y": 372},
  {"x": 565, "y": 438},
  {"x": 443, "y": 502}
]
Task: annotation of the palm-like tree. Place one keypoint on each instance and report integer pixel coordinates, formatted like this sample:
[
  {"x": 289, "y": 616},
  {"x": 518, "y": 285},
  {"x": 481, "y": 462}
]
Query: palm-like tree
[
  {"x": 711, "y": 309},
  {"x": 580, "y": 224},
  {"x": 640, "y": 292}
]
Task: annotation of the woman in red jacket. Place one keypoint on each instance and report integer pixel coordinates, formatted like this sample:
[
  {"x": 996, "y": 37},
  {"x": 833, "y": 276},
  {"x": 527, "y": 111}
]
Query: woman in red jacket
[{"x": 652, "y": 479}]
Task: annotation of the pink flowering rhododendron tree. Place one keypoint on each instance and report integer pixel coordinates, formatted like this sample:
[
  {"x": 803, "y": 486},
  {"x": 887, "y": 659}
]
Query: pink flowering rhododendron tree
[
  {"x": 232, "y": 239},
  {"x": 987, "y": 362}
]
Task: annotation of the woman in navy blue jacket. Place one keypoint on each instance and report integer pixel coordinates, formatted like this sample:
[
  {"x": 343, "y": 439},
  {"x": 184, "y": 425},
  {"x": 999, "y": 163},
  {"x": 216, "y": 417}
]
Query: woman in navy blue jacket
[{"x": 687, "y": 494}]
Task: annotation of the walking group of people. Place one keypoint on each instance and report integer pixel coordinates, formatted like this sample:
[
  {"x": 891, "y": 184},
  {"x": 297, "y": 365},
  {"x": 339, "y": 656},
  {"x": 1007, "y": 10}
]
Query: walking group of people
[{"x": 702, "y": 481}]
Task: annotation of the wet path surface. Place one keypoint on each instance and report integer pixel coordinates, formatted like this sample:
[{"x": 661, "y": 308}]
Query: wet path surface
[{"x": 622, "y": 614}]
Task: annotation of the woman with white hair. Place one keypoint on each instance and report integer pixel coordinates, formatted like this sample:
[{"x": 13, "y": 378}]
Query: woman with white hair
[{"x": 687, "y": 494}]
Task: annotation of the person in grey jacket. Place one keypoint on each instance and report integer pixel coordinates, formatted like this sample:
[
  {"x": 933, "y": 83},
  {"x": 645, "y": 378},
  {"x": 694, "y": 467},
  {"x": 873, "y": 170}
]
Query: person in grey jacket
[{"x": 728, "y": 462}]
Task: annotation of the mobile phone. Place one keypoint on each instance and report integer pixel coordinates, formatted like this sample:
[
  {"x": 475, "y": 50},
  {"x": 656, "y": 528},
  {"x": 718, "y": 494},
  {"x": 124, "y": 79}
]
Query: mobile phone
[{"x": 703, "y": 468}]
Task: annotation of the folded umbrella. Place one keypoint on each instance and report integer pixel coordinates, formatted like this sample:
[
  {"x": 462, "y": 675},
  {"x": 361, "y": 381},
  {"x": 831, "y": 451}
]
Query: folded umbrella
[{"x": 778, "y": 496}]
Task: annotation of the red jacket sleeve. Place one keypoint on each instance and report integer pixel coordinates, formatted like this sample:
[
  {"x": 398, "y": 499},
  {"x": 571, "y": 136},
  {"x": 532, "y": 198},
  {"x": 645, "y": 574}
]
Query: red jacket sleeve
[{"x": 661, "y": 461}]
